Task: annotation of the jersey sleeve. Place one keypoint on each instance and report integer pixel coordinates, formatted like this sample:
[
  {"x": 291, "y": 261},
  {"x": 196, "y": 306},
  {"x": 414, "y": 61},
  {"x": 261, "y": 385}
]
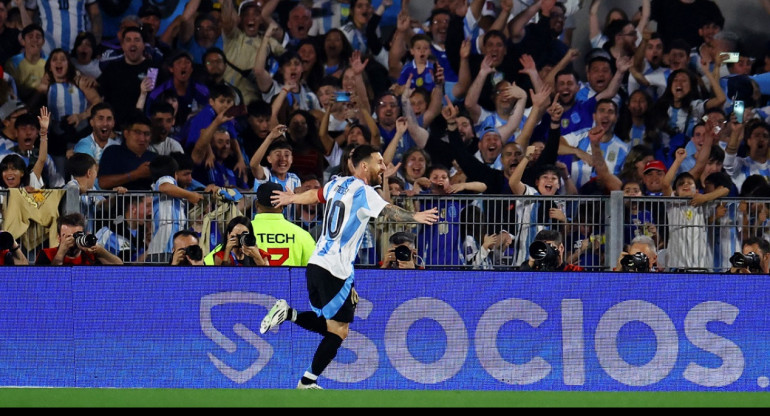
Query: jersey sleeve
[{"x": 375, "y": 203}]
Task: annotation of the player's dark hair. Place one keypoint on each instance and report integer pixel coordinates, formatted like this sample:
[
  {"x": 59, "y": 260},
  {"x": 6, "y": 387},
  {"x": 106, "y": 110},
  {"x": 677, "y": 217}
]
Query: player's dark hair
[
  {"x": 101, "y": 106},
  {"x": 361, "y": 153}
]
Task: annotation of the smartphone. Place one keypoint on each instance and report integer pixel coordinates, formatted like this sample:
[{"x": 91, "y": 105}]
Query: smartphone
[
  {"x": 738, "y": 110},
  {"x": 152, "y": 73},
  {"x": 732, "y": 57},
  {"x": 236, "y": 111},
  {"x": 342, "y": 96}
]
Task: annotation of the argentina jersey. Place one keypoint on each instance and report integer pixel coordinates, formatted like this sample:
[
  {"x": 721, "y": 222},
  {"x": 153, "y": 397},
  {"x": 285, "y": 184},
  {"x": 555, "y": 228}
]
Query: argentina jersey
[
  {"x": 65, "y": 99},
  {"x": 350, "y": 203},
  {"x": 62, "y": 20},
  {"x": 614, "y": 151},
  {"x": 740, "y": 168},
  {"x": 169, "y": 215}
]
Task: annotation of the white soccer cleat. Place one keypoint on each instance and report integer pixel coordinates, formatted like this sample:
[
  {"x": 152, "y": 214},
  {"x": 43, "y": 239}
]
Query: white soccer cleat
[
  {"x": 275, "y": 316},
  {"x": 312, "y": 386}
]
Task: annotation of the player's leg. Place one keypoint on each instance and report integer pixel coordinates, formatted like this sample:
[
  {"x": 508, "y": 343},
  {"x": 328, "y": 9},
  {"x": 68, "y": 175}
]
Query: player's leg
[
  {"x": 331, "y": 300},
  {"x": 326, "y": 351}
]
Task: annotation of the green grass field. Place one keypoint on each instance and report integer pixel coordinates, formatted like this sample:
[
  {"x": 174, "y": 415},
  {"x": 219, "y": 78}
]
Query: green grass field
[{"x": 38, "y": 397}]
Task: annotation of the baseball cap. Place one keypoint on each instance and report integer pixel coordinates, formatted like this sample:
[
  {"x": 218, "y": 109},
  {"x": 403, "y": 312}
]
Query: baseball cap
[
  {"x": 10, "y": 107},
  {"x": 597, "y": 54},
  {"x": 654, "y": 165},
  {"x": 265, "y": 193},
  {"x": 149, "y": 9}
]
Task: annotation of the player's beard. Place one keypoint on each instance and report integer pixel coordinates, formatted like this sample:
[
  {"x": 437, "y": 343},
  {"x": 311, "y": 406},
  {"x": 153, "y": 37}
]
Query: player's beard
[{"x": 375, "y": 179}]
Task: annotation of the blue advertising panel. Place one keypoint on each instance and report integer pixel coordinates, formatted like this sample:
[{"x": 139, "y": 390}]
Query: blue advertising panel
[{"x": 198, "y": 328}]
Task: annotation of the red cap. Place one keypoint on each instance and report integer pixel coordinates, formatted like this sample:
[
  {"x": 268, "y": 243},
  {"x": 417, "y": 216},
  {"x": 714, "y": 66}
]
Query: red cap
[{"x": 654, "y": 165}]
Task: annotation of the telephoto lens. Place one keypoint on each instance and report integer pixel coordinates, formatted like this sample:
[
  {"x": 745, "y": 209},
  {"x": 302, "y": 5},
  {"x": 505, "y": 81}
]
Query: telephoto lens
[
  {"x": 403, "y": 253},
  {"x": 84, "y": 240},
  {"x": 247, "y": 239}
]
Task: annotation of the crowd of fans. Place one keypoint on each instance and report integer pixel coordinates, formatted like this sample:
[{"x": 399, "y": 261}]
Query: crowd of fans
[{"x": 481, "y": 98}]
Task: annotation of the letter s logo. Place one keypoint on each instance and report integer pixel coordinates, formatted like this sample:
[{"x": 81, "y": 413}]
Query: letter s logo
[{"x": 208, "y": 302}]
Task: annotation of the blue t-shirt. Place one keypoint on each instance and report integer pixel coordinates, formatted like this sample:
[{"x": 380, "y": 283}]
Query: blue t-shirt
[{"x": 424, "y": 79}]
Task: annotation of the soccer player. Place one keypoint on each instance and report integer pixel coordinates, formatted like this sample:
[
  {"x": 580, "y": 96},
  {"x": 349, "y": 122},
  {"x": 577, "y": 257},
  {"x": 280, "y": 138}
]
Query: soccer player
[{"x": 350, "y": 203}]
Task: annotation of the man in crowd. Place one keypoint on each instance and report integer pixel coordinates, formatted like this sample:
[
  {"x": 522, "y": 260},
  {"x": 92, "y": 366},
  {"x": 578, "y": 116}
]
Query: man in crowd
[
  {"x": 103, "y": 124},
  {"x": 128, "y": 164},
  {"x": 285, "y": 243},
  {"x": 70, "y": 252}
]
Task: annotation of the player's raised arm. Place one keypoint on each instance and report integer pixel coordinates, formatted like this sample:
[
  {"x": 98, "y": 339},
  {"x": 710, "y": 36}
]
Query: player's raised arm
[
  {"x": 397, "y": 214},
  {"x": 282, "y": 199}
]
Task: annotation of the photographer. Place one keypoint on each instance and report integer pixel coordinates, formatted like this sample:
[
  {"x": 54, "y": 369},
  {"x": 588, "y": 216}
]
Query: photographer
[
  {"x": 546, "y": 253},
  {"x": 186, "y": 250},
  {"x": 641, "y": 257},
  {"x": 755, "y": 258},
  {"x": 240, "y": 246},
  {"x": 75, "y": 247},
  {"x": 402, "y": 253},
  {"x": 10, "y": 251}
]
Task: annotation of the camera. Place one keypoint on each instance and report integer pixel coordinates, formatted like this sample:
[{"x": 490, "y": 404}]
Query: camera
[
  {"x": 84, "y": 240},
  {"x": 6, "y": 240},
  {"x": 246, "y": 239},
  {"x": 546, "y": 256},
  {"x": 194, "y": 252},
  {"x": 403, "y": 253},
  {"x": 635, "y": 263},
  {"x": 749, "y": 261}
]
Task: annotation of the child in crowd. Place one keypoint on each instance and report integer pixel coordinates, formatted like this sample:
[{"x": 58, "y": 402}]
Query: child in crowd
[
  {"x": 169, "y": 208},
  {"x": 420, "y": 69},
  {"x": 688, "y": 246}
]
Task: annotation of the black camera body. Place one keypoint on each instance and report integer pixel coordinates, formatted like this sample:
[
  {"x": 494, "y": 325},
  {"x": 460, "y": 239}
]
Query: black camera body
[
  {"x": 546, "y": 256},
  {"x": 246, "y": 239},
  {"x": 749, "y": 261},
  {"x": 636, "y": 263},
  {"x": 83, "y": 240},
  {"x": 194, "y": 252}
]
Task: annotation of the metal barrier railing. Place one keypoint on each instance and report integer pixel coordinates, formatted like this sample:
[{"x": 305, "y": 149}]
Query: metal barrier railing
[{"x": 477, "y": 232}]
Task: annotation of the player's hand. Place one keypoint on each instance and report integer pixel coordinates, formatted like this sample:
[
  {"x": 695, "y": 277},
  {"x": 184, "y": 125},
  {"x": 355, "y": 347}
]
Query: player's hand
[
  {"x": 428, "y": 217},
  {"x": 281, "y": 198}
]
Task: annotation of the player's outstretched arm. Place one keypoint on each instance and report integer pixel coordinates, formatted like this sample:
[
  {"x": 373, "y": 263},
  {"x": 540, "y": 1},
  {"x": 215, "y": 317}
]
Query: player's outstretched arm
[
  {"x": 282, "y": 199},
  {"x": 397, "y": 214}
]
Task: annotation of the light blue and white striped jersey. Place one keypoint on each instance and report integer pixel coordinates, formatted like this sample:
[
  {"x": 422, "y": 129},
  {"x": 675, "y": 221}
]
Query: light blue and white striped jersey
[
  {"x": 65, "y": 99},
  {"x": 527, "y": 226},
  {"x": 333, "y": 15},
  {"x": 169, "y": 215},
  {"x": 726, "y": 237},
  {"x": 350, "y": 203},
  {"x": 614, "y": 151},
  {"x": 740, "y": 168},
  {"x": 683, "y": 120},
  {"x": 291, "y": 183},
  {"x": 657, "y": 77},
  {"x": 62, "y": 20}
]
